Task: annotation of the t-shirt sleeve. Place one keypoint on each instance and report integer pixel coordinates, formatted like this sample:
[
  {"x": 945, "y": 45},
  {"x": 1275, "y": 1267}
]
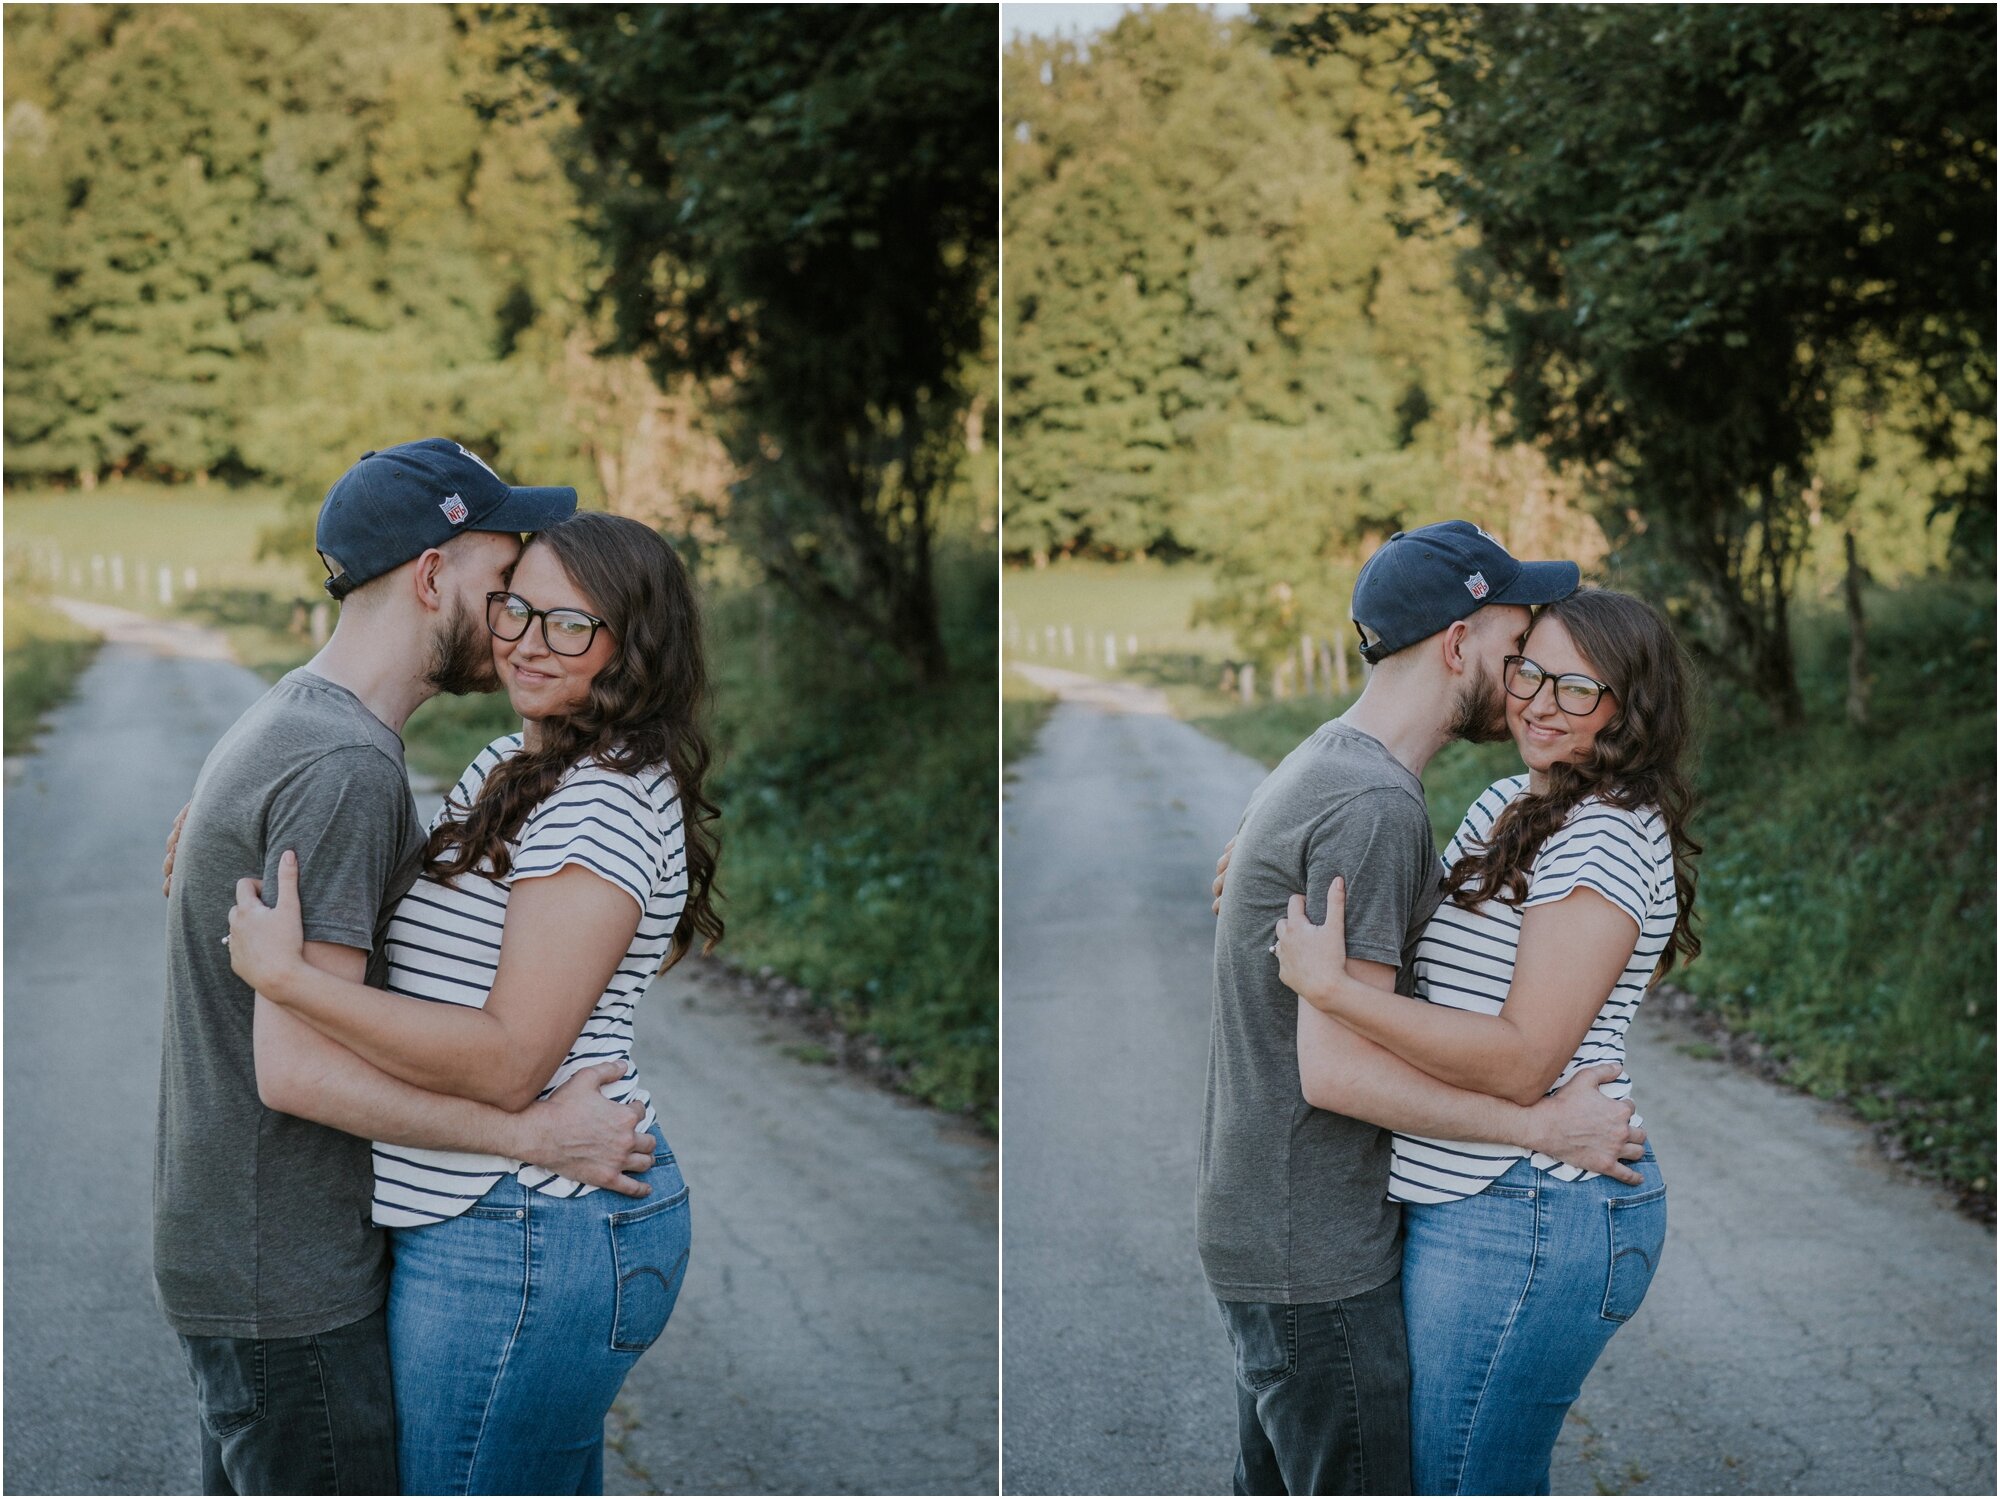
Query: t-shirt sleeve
[
  {"x": 347, "y": 816},
  {"x": 1605, "y": 849},
  {"x": 601, "y": 820},
  {"x": 1380, "y": 843}
]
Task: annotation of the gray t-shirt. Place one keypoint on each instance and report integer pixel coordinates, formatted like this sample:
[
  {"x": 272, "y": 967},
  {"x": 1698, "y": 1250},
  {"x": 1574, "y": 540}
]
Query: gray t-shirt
[
  {"x": 260, "y": 1220},
  {"x": 1293, "y": 1200}
]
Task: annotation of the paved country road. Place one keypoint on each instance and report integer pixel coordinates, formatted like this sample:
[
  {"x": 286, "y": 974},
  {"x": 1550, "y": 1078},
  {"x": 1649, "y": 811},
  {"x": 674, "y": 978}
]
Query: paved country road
[
  {"x": 1819, "y": 1325},
  {"x": 837, "y": 1331}
]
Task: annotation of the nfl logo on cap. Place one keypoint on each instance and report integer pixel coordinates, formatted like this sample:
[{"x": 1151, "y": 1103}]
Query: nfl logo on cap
[
  {"x": 1476, "y": 585},
  {"x": 455, "y": 511}
]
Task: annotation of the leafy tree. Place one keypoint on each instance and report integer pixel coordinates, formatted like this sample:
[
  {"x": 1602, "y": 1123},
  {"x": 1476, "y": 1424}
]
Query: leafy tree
[
  {"x": 1218, "y": 340},
  {"x": 801, "y": 201},
  {"x": 257, "y": 240},
  {"x": 1698, "y": 226}
]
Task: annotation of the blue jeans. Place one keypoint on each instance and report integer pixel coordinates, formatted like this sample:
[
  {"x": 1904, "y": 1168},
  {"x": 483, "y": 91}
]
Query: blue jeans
[
  {"x": 1322, "y": 1395},
  {"x": 307, "y": 1415},
  {"x": 512, "y": 1326},
  {"x": 1509, "y": 1297}
]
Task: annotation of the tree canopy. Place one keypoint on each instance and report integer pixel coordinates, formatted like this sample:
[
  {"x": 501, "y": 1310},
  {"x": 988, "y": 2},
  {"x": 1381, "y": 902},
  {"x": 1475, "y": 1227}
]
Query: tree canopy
[
  {"x": 799, "y": 203},
  {"x": 253, "y": 240},
  {"x": 1707, "y": 234}
]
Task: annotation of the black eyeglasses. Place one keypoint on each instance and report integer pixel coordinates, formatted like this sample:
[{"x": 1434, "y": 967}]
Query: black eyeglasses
[
  {"x": 1575, "y": 693},
  {"x": 567, "y": 632}
]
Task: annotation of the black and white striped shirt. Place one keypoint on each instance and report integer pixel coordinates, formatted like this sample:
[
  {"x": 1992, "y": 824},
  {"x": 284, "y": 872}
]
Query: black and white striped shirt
[
  {"x": 443, "y": 945},
  {"x": 1465, "y": 959}
]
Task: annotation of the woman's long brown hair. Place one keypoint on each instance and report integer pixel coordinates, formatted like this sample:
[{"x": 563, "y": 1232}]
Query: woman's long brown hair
[
  {"x": 643, "y": 709},
  {"x": 1636, "y": 763}
]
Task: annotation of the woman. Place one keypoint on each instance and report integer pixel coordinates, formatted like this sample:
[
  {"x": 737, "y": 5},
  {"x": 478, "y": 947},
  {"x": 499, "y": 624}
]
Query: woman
[
  {"x": 570, "y": 861},
  {"x": 1569, "y": 889}
]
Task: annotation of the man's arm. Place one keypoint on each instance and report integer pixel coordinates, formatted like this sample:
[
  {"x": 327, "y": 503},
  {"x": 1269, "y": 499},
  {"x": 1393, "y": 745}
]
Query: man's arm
[
  {"x": 1345, "y": 1073},
  {"x": 576, "y": 1133}
]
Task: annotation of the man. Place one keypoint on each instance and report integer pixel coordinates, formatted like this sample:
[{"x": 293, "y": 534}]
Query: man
[
  {"x": 264, "y": 1257},
  {"x": 1297, "y": 1237}
]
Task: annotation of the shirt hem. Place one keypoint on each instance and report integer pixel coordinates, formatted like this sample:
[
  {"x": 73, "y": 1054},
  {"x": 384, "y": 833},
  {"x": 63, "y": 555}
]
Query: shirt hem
[
  {"x": 1312, "y": 1291},
  {"x": 303, "y": 1325}
]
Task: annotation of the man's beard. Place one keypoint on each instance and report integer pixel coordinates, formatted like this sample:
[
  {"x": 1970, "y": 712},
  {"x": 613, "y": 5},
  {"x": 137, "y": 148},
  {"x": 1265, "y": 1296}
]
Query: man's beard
[
  {"x": 1480, "y": 715},
  {"x": 461, "y": 655}
]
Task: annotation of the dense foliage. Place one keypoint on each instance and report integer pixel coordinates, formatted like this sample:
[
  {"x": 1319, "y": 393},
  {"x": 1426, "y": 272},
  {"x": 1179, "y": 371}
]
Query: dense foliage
[
  {"x": 1218, "y": 341},
  {"x": 251, "y": 240},
  {"x": 1712, "y": 265},
  {"x": 1704, "y": 233},
  {"x": 802, "y": 199}
]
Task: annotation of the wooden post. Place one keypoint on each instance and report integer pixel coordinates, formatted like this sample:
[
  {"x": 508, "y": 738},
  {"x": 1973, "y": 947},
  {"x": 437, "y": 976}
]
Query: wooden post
[
  {"x": 1857, "y": 640},
  {"x": 1110, "y": 650},
  {"x": 166, "y": 585},
  {"x": 1247, "y": 680},
  {"x": 1340, "y": 666},
  {"x": 117, "y": 574},
  {"x": 1069, "y": 642},
  {"x": 321, "y": 626}
]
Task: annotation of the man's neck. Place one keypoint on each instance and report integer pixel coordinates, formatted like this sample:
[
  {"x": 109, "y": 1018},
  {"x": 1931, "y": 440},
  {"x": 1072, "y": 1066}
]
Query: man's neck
[
  {"x": 363, "y": 658},
  {"x": 1406, "y": 721}
]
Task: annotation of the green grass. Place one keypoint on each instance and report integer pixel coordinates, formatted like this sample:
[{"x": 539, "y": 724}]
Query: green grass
[
  {"x": 1023, "y": 708},
  {"x": 45, "y": 653},
  {"x": 859, "y": 826},
  {"x": 1063, "y": 615},
  {"x": 1848, "y": 882},
  {"x": 206, "y": 538}
]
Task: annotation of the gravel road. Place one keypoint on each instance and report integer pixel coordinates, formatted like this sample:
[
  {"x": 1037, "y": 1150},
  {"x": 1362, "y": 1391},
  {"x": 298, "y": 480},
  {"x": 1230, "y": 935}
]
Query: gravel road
[
  {"x": 1820, "y": 1323},
  {"x": 837, "y": 1331}
]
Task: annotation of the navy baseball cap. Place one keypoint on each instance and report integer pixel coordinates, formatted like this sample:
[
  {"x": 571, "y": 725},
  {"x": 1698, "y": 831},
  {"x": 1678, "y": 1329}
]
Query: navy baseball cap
[
  {"x": 398, "y": 503},
  {"x": 1422, "y": 581}
]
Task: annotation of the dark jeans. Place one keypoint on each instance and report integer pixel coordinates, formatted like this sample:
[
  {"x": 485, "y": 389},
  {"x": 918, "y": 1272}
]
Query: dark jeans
[
  {"x": 311, "y": 1415},
  {"x": 1322, "y": 1395}
]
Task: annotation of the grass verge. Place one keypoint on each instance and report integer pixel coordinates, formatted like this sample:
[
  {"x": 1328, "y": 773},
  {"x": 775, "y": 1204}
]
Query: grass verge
[
  {"x": 45, "y": 653},
  {"x": 1023, "y": 709}
]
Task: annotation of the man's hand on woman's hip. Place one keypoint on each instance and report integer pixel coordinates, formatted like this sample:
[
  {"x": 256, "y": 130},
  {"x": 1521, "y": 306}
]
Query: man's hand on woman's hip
[
  {"x": 1580, "y": 1127},
  {"x": 579, "y": 1133}
]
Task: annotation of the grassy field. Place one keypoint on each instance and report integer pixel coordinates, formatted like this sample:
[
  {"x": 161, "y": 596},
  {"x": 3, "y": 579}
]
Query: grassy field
[
  {"x": 1847, "y": 885},
  {"x": 69, "y": 540},
  {"x": 1130, "y": 619},
  {"x": 45, "y": 653}
]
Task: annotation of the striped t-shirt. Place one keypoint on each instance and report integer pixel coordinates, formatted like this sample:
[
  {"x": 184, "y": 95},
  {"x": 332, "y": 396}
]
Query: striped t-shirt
[
  {"x": 1465, "y": 959},
  {"x": 443, "y": 945}
]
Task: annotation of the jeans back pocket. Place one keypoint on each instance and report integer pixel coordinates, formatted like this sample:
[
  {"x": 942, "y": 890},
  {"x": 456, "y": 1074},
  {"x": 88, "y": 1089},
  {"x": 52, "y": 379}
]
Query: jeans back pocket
[
  {"x": 1638, "y": 1233},
  {"x": 649, "y": 1255}
]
